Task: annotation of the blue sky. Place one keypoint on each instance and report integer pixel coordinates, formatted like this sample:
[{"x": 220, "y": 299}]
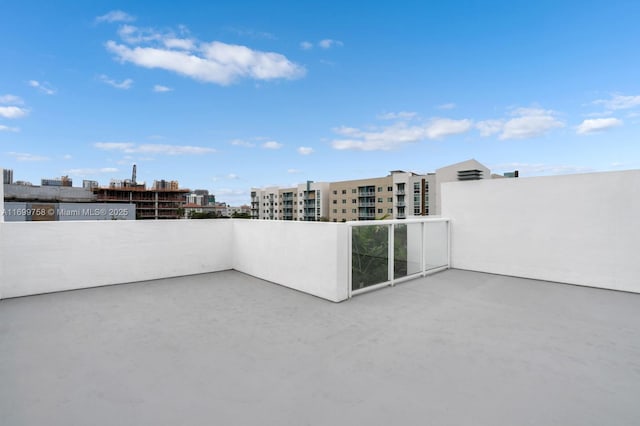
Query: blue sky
[{"x": 227, "y": 96}]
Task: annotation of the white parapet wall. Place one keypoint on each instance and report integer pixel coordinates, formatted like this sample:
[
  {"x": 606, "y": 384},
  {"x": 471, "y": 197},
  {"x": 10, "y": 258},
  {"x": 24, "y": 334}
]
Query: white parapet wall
[
  {"x": 44, "y": 257},
  {"x": 580, "y": 229},
  {"x": 307, "y": 256}
]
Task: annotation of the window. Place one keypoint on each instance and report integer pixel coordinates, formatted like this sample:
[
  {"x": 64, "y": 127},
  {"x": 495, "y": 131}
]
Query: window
[
  {"x": 353, "y": 201},
  {"x": 353, "y": 191},
  {"x": 379, "y": 189},
  {"x": 334, "y": 202},
  {"x": 335, "y": 210},
  {"x": 390, "y": 188},
  {"x": 379, "y": 210},
  {"x": 344, "y": 201},
  {"x": 390, "y": 211},
  {"x": 344, "y": 191},
  {"x": 344, "y": 211},
  {"x": 354, "y": 210},
  {"x": 335, "y": 192},
  {"x": 390, "y": 200},
  {"x": 380, "y": 200}
]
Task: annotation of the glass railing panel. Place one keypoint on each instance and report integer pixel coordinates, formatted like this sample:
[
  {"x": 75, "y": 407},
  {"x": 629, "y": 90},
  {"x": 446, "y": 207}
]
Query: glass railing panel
[
  {"x": 436, "y": 245},
  {"x": 407, "y": 249},
  {"x": 370, "y": 256}
]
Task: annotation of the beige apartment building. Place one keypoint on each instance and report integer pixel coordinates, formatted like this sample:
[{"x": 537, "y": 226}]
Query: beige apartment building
[{"x": 398, "y": 195}]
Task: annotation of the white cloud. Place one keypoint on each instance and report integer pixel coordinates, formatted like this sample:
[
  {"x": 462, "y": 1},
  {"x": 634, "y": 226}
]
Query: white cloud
[
  {"x": 87, "y": 172},
  {"x": 161, "y": 89},
  {"x": 240, "y": 142},
  {"x": 114, "y": 146},
  {"x": 232, "y": 176},
  {"x": 449, "y": 105},
  {"x": 402, "y": 115},
  {"x": 213, "y": 62},
  {"x": 529, "y": 123},
  {"x": 294, "y": 171},
  {"x": 329, "y": 43},
  {"x": 11, "y": 99},
  {"x": 44, "y": 87},
  {"x": 305, "y": 150},
  {"x": 398, "y": 134},
  {"x": 135, "y": 35},
  {"x": 164, "y": 149},
  {"x": 441, "y": 127},
  {"x": 4, "y": 128},
  {"x": 124, "y": 84},
  {"x": 179, "y": 43},
  {"x": 115, "y": 16},
  {"x": 272, "y": 145},
  {"x": 13, "y": 112},
  {"x": 305, "y": 45},
  {"x": 597, "y": 125},
  {"x": 490, "y": 127},
  {"x": 619, "y": 102},
  {"x": 67, "y": 157},
  {"x": 21, "y": 156}
]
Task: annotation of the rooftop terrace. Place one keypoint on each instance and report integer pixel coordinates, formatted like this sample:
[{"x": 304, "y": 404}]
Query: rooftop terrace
[
  {"x": 223, "y": 344},
  {"x": 454, "y": 348}
]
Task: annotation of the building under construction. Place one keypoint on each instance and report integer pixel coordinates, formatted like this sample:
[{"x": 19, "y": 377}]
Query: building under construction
[{"x": 164, "y": 201}]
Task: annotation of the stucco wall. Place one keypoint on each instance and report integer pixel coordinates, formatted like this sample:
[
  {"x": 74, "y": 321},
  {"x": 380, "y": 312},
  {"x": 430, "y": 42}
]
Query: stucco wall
[
  {"x": 43, "y": 257},
  {"x": 306, "y": 256},
  {"x": 581, "y": 229}
]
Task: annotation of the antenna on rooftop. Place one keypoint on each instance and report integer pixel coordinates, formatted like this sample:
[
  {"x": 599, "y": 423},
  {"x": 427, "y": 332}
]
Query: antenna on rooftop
[{"x": 133, "y": 175}]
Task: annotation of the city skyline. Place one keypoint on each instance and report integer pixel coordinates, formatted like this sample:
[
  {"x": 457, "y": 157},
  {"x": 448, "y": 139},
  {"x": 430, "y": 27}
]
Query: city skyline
[{"x": 227, "y": 97}]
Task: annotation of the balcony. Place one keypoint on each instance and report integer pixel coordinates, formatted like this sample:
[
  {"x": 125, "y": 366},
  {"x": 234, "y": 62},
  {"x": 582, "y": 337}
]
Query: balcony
[{"x": 367, "y": 204}]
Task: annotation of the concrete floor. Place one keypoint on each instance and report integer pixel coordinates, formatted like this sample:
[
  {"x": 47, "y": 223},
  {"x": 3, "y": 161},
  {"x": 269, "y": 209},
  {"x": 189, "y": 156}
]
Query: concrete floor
[{"x": 455, "y": 348}]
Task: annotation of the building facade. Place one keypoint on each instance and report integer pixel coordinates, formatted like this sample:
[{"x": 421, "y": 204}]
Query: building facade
[
  {"x": 65, "y": 181},
  {"x": 164, "y": 201},
  {"x": 398, "y": 195},
  {"x": 307, "y": 202}
]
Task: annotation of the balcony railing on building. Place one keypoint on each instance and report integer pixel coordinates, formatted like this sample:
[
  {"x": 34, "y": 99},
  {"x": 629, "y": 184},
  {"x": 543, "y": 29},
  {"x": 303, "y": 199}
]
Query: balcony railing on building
[{"x": 367, "y": 204}]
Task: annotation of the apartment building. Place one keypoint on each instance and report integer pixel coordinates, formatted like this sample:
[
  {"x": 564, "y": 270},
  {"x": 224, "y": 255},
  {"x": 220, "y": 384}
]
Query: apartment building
[
  {"x": 308, "y": 202},
  {"x": 398, "y": 195}
]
